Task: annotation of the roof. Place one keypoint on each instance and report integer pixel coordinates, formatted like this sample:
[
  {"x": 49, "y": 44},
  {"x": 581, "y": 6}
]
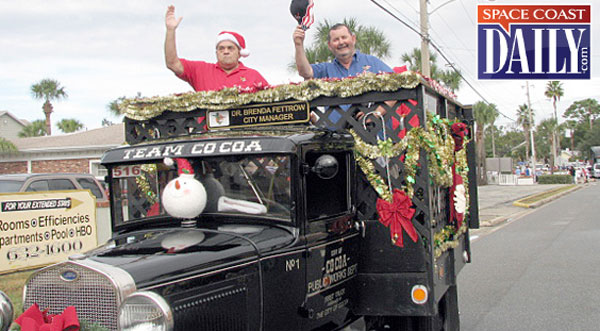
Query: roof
[
  {"x": 20, "y": 121},
  {"x": 106, "y": 137}
]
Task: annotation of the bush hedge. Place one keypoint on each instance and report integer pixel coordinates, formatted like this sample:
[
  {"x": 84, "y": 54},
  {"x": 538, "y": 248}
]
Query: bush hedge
[{"x": 555, "y": 179}]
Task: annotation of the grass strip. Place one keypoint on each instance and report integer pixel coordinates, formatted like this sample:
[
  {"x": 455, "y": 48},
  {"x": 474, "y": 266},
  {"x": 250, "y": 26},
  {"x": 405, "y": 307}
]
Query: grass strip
[{"x": 544, "y": 195}]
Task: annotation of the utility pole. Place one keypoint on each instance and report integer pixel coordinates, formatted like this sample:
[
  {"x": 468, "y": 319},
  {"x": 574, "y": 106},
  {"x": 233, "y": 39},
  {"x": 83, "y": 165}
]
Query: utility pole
[
  {"x": 531, "y": 127},
  {"x": 424, "y": 16}
]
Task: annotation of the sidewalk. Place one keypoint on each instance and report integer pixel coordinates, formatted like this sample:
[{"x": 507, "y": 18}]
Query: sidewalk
[{"x": 496, "y": 201}]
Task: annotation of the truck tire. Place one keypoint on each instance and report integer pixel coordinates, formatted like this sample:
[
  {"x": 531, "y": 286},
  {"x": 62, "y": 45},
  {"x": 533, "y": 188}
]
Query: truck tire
[{"x": 447, "y": 318}]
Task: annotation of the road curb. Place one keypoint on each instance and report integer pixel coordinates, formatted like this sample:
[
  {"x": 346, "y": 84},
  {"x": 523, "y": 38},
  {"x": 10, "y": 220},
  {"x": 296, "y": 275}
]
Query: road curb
[
  {"x": 521, "y": 203},
  {"x": 501, "y": 219}
]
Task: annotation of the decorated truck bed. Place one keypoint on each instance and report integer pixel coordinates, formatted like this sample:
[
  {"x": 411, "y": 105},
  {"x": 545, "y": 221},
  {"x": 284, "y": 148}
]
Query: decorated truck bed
[{"x": 308, "y": 218}]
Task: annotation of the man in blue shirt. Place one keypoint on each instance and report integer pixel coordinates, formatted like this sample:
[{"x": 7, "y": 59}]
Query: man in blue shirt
[{"x": 347, "y": 62}]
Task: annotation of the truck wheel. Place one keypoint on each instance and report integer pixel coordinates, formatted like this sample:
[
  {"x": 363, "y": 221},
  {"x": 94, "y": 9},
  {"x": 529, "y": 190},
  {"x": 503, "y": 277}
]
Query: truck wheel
[
  {"x": 389, "y": 323},
  {"x": 447, "y": 318}
]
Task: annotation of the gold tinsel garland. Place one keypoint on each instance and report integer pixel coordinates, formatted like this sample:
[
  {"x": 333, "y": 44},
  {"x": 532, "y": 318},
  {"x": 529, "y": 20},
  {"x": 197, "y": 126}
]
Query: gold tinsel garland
[
  {"x": 439, "y": 145},
  {"x": 144, "y": 185},
  {"x": 447, "y": 238},
  {"x": 436, "y": 141},
  {"x": 145, "y": 108}
]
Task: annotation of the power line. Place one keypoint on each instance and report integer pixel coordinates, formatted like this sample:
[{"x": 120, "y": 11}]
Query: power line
[
  {"x": 450, "y": 63},
  {"x": 466, "y": 12},
  {"x": 397, "y": 18}
]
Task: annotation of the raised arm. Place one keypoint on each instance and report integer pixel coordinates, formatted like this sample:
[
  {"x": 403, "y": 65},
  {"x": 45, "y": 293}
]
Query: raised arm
[
  {"x": 302, "y": 64},
  {"x": 171, "y": 58}
]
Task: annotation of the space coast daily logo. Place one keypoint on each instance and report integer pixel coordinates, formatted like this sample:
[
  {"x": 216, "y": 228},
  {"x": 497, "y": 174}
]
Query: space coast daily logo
[{"x": 533, "y": 41}]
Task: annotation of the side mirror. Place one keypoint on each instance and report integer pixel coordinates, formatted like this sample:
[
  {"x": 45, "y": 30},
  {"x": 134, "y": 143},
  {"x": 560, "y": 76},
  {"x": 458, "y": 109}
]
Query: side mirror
[{"x": 326, "y": 167}]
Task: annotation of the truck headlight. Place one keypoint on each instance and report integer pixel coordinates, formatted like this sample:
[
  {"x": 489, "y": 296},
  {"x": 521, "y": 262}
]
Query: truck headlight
[
  {"x": 145, "y": 310},
  {"x": 6, "y": 312}
]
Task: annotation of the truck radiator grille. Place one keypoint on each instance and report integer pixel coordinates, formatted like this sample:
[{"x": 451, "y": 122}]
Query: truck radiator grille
[
  {"x": 94, "y": 296},
  {"x": 220, "y": 311}
]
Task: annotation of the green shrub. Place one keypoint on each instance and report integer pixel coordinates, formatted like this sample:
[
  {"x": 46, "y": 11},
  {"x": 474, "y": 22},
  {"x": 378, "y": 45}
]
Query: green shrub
[{"x": 555, "y": 179}]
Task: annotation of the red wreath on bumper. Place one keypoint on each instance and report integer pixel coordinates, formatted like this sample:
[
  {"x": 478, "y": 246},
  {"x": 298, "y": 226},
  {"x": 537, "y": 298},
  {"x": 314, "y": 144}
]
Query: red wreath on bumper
[{"x": 35, "y": 320}]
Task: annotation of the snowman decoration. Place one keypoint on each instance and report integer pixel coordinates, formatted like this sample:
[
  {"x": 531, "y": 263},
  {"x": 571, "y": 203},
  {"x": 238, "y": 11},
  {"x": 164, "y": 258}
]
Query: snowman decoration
[{"x": 184, "y": 197}]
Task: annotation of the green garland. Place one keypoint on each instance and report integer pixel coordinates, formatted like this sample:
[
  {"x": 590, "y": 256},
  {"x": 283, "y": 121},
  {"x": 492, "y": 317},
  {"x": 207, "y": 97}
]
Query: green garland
[
  {"x": 447, "y": 238},
  {"x": 144, "y": 185},
  {"x": 436, "y": 141},
  {"x": 83, "y": 326},
  {"x": 145, "y": 108},
  {"x": 439, "y": 145}
]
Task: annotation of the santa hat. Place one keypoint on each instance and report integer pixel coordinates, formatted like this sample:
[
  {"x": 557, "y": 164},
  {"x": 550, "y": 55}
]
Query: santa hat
[
  {"x": 183, "y": 165},
  {"x": 236, "y": 38}
]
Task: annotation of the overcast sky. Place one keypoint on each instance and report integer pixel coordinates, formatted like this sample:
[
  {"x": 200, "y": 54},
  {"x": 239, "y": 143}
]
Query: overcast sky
[{"x": 102, "y": 50}]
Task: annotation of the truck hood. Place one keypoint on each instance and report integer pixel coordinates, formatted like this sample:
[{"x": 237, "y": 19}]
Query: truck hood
[{"x": 159, "y": 255}]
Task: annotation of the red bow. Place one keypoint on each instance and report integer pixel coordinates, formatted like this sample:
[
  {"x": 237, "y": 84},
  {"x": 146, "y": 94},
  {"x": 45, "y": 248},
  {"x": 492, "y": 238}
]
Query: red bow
[
  {"x": 35, "y": 320},
  {"x": 459, "y": 130},
  {"x": 397, "y": 216}
]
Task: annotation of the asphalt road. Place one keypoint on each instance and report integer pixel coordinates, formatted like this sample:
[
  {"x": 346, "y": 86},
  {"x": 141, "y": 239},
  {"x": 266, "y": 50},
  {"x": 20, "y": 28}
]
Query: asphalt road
[{"x": 540, "y": 271}]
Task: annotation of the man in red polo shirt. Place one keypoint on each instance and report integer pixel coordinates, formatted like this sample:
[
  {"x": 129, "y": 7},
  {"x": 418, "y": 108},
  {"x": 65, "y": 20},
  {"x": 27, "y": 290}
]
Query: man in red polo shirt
[{"x": 204, "y": 76}]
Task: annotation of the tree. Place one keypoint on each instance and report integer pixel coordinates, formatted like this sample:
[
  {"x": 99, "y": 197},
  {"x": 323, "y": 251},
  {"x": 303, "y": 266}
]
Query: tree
[
  {"x": 583, "y": 111},
  {"x": 6, "y": 146},
  {"x": 523, "y": 121},
  {"x": 554, "y": 91},
  {"x": 69, "y": 125},
  {"x": 571, "y": 125},
  {"x": 544, "y": 139},
  {"x": 510, "y": 143},
  {"x": 591, "y": 138},
  {"x": 451, "y": 78},
  {"x": 114, "y": 106},
  {"x": 369, "y": 40},
  {"x": 48, "y": 90},
  {"x": 485, "y": 115},
  {"x": 36, "y": 128}
]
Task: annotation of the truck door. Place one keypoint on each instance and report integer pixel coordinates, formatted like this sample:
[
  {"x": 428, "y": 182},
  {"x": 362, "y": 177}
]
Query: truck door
[{"x": 332, "y": 243}]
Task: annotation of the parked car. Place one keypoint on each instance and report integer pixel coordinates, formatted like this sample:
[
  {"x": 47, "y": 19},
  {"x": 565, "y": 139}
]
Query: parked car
[
  {"x": 596, "y": 170},
  {"x": 52, "y": 182}
]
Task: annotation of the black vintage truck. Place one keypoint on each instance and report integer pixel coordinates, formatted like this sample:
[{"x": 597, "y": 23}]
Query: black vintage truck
[{"x": 340, "y": 218}]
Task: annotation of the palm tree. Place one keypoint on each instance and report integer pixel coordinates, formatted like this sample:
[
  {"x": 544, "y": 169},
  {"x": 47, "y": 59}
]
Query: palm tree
[
  {"x": 6, "y": 146},
  {"x": 523, "y": 121},
  {"x": 493, "y": 116},
  {"x": 545, "y": 129},
  {"x": 114, "y": 106},
  {"x": 485, "y": 115},
  {"x": 48, "y": 90},
  {"x": 36, "y": 128},
  {"x": 554, "y": 91},
  {"x": 369, "y": 40},
  {"x": 451, "y": 78},
  {"x": 69, "y": 125}
]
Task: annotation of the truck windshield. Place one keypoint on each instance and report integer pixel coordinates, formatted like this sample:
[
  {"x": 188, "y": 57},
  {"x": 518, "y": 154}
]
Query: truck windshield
[{"x": 235, "y": 185}]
